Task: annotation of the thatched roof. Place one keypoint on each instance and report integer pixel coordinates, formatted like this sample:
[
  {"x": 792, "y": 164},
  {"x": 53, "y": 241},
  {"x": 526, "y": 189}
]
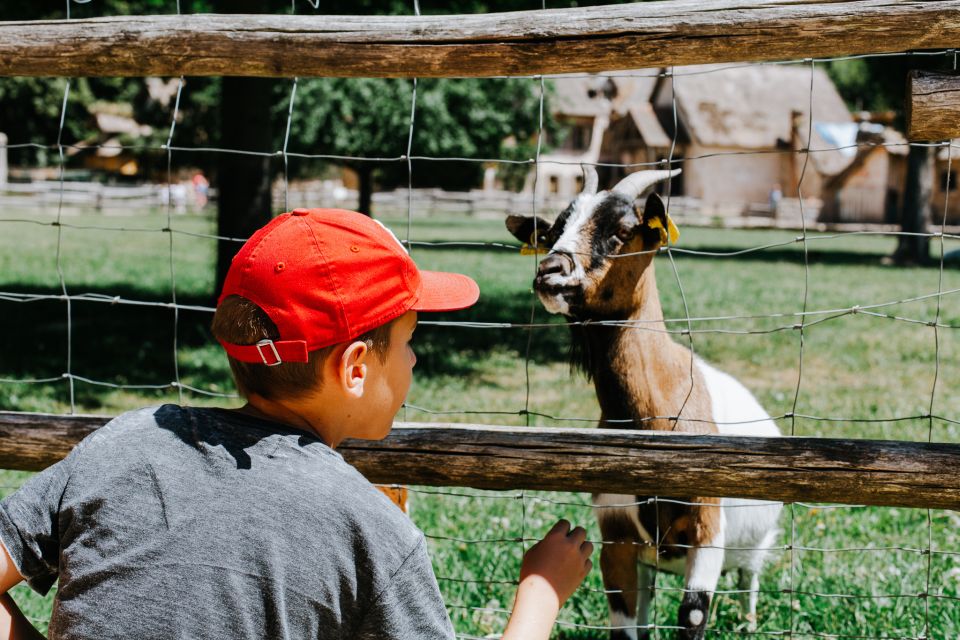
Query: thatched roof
[
  {"x": 759, "y": 107},
  {"x": 647, "y": 123},
  {"x": 577, "y": 96},
  {"x": 748, "y": 107},
  {"x": 950, "y": 153},
  {"x": 585, "y": 96}
]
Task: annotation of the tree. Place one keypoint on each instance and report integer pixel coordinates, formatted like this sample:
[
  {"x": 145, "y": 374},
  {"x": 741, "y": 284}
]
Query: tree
[
  {"x": 370, "y": 118},
  {"x": 358, "y": 118}
]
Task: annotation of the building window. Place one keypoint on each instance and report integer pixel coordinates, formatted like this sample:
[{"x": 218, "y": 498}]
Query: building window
[
  {"x": 554, "y": 184},
  {"x": 576, "y": 136},
  {"x": 948, "y": 179}
]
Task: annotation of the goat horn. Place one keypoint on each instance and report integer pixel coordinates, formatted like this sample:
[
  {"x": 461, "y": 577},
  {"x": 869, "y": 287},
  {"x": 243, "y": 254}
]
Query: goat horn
[
  {"x": 590, "y": 179},
  {"x": 636, "y": 183}
]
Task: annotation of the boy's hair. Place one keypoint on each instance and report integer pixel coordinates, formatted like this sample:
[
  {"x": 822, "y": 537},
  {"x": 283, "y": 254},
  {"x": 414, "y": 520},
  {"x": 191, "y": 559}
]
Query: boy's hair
[{"x": 240, "y": 321}]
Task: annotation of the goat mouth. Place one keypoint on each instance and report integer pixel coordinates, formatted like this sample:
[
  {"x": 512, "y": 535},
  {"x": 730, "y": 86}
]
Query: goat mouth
[
  {"x": 555, "y": 290},
  {"x": 561, "y": 300}
]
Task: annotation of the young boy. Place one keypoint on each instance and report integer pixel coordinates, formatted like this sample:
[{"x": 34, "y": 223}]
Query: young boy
[{"x": 178, "y": 522}]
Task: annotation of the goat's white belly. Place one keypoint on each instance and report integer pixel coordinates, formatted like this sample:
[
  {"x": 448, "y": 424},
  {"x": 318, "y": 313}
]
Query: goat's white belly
[
  {"x": 735, "y": 410},
  {"x": 750, "y": 529},
  {"x": 751, "y": 525}
]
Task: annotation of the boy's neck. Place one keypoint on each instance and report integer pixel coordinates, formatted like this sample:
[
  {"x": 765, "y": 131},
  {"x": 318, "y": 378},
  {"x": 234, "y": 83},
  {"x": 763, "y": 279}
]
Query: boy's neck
[{"x": 293, "y": 414}]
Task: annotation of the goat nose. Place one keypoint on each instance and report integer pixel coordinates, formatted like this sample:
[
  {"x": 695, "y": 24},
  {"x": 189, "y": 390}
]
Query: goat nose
[{"x": 556, "y": 263}]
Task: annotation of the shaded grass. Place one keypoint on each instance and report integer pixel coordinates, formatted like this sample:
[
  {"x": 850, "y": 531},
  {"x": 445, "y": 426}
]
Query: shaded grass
[{"x": 855, "y": 366}]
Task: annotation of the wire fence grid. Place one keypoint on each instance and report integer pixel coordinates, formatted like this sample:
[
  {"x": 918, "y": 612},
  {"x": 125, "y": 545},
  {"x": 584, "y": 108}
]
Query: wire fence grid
[{"x": 476, "y": 565}]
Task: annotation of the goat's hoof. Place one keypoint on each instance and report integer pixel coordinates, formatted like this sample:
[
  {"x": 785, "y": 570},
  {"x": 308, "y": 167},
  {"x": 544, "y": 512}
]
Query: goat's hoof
[{"x": 692, "y": 619}]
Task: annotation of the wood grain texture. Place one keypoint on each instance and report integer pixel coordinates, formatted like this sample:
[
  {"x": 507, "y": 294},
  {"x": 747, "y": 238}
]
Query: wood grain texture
[
  {"x": 933, "y": 106},
  {"x": 632, "y": 36},
  {"x": 874, "y": 472}
]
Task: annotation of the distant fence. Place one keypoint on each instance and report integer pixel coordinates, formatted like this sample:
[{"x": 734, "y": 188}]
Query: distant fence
[
  {"x": 480, "y": 204},
  {"x": 95, "y": 195}
]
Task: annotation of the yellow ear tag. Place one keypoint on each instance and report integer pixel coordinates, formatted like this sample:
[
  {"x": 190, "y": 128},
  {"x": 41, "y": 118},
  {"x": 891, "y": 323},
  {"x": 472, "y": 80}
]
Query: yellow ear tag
[
  {"x": 531, "y": 248},
  {"x": 671, "y": 232}
]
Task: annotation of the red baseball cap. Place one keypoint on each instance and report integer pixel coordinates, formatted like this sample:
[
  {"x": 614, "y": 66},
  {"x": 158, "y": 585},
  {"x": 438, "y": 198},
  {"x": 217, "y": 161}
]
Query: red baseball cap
[{"x": 326, "y": 276}]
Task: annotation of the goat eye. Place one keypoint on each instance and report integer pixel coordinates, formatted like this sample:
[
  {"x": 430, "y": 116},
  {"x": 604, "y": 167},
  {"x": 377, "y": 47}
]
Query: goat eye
[{"x": 624, "y": 234}]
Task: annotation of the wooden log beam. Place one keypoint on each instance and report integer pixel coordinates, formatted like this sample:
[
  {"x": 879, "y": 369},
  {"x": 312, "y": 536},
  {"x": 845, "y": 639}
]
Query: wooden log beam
[
  {"x": 874, "y": 472},
  {"x": 632, "y": 36},
  {"x": 933, "y": 106}
]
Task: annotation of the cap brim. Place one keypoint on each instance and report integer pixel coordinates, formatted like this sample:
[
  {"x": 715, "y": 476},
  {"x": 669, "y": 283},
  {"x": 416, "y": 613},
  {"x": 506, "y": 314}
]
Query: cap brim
[{"x": 443, "y": 291}]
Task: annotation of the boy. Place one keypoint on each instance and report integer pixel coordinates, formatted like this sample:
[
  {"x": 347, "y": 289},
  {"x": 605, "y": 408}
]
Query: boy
[{"x": 177, "y": 522}]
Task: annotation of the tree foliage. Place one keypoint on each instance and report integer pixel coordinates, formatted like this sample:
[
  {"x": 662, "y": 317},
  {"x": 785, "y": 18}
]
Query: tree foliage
[
  {"x": 880, "y": 83},
  {"x": 369, "y": 118}
]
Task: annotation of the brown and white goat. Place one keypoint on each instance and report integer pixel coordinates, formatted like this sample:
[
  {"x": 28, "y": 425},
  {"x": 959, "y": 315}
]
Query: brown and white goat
[{"x": 600, "y": 268}]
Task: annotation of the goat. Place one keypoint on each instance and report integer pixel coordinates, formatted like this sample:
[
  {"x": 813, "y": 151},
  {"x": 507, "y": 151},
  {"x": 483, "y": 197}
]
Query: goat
[{"x": 600, "y": 268}]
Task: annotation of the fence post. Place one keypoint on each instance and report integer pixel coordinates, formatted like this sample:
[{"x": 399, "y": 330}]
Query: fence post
[{"x": 3, "y": 158}]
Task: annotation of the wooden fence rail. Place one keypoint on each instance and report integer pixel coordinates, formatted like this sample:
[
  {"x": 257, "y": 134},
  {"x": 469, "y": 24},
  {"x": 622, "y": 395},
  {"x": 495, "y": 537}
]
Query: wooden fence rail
[
  {"x": 873, "y": 472},
  {"x": 933, "y": 106},
  {"x": 632, "y": 36}
]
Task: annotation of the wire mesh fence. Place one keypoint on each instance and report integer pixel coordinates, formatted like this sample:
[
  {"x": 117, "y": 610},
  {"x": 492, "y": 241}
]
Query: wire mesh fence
[{"x": 111, "y": 311}]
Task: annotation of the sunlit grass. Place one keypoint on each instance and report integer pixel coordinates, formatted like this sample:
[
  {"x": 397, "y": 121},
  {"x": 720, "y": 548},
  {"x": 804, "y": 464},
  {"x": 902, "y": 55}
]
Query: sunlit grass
[{"x": 862, "y": 376}]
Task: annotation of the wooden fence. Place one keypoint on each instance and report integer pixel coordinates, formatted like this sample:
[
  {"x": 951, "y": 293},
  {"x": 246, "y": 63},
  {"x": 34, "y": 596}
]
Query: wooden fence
[
  {"x": 632, "y": 36},
  {"x": 907, "y": 474},
  {"x": 640, "y": 35}
]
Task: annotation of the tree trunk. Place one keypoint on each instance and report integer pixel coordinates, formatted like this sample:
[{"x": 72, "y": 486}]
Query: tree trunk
[
  {"x": 916, "y": 207},
  {"x": 365, "y": 176},
  {"x": 243, "y": 182}
]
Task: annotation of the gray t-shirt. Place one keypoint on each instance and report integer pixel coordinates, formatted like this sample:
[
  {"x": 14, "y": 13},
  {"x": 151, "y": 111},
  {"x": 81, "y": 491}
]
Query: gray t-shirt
[{"x": 176, "y": 522}]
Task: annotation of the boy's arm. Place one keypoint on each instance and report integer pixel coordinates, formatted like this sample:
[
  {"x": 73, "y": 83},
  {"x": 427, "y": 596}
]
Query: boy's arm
[
  {"x": 552, "y": 570},
  {"x": 13, "y": 624}
]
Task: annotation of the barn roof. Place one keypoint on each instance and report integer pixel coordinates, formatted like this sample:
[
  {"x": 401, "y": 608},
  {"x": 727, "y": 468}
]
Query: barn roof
[
  {"x": 950, "y": 153},
  {"x": 573, "y": 97},
  {"x": 647, "y": 123},
  {"x": 760, "y": 107},
  {"x": 579, "y": 95}
]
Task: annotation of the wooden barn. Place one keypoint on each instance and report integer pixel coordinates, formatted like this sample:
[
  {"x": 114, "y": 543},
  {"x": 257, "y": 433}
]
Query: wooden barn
[
  {"x": 737, "y": 136},
  {"x": 946, "y": 192},
  {"x": 738, "y": 129}
]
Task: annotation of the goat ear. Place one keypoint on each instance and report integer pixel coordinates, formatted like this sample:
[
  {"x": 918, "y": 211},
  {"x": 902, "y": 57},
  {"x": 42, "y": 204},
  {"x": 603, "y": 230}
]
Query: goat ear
[
  {"x": 522, "y": 228},
  {"x": 658, "y": 228}
]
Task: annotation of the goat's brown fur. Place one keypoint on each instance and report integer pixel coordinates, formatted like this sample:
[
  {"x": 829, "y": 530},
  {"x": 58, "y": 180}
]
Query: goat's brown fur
[
  {"x": 643, "y": 379},
  {"x": 644, "y": 374}
]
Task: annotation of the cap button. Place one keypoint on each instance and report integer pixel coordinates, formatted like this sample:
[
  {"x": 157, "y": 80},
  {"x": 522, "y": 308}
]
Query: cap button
[{"x": 300, "y": 212}]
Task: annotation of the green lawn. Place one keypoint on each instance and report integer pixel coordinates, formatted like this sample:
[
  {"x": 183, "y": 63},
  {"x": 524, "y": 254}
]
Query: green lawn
[{"x": 869, "y": 369}]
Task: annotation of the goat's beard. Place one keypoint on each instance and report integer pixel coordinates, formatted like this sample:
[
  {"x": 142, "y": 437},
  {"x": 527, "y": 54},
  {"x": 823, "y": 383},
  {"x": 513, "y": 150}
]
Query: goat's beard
[{"x": 561, "y": 303}]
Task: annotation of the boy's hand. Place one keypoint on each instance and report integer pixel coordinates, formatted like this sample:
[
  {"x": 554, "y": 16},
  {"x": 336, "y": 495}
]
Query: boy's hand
[
  {"x": 561, "y": 559},
  {"x": 551, "y": 571}
]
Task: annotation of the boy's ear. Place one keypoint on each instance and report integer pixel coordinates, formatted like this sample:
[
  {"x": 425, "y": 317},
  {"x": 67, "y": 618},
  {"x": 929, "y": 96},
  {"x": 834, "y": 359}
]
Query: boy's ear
[
  {"x": 522, "y": 228},
  {"x": 351, "y": 370},
  {"x": 658, "y": 228}
]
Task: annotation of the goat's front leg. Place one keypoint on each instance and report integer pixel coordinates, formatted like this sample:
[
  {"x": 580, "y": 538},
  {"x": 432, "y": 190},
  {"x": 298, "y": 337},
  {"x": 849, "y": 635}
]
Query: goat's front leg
[
  {"x": 704, "y": 564},
  {"x": 645, "y": 586},
  {"x": 618, "y": 564},
  {"x": 749, "y": 587}
]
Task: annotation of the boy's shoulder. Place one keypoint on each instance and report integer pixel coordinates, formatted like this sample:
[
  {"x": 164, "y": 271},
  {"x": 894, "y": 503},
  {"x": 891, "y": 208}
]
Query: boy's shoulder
[{"x": 289, "y": 470}]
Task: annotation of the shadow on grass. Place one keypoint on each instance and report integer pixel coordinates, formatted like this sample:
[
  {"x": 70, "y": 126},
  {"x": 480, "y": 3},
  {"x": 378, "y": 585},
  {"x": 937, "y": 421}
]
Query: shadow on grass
[
  {"x": 818, "y": 252},
  {"x": 115, "y": 343},
  {"x": 129, "y": 344},
  {"x": 792, "y": 254}
]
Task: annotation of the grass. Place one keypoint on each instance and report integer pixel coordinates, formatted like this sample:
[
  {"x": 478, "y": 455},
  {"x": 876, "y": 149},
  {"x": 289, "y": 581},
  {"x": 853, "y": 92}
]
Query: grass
[{"x": 871, "y": 369}]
